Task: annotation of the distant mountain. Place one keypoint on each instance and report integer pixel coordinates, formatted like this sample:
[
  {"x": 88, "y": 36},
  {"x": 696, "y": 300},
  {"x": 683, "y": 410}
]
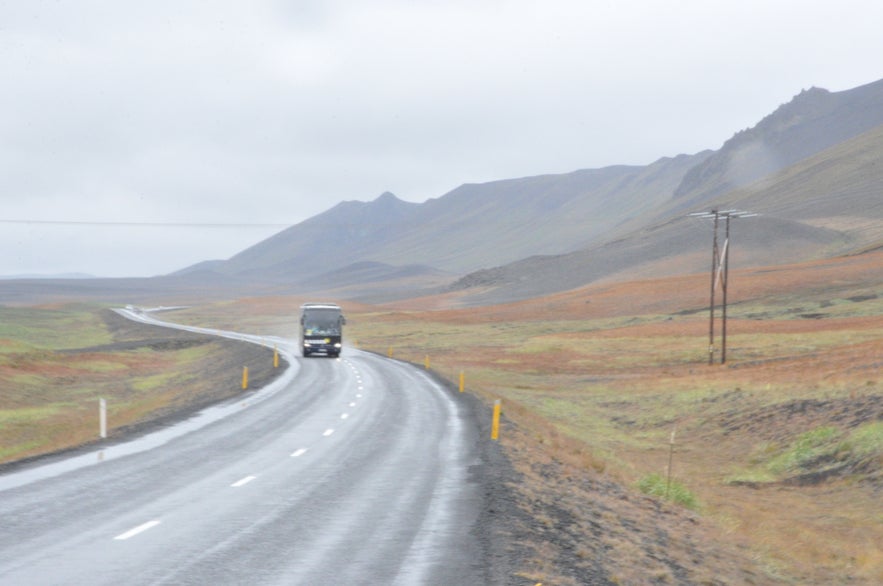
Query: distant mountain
[
  {"x": 812, "y": 168},
  {"x": 378, "y": 282},
  {"x": 204, "y": 266},
  {"x": 479, "y": 225},
  {"x": 473, "y": 226},
  {"x": 366, "y": 272},
  {"x": 349, "y": 232}
]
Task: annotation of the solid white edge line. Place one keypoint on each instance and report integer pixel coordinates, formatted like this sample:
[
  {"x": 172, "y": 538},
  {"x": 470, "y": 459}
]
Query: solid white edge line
[
  {"x": 242, "y": 482},
  {"x": 299, "y": 453},
  {"x": 136, "y": 530}
]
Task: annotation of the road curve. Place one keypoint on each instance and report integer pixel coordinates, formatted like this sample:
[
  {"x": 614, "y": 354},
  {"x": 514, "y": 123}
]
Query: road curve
[{"x": 348, "y": 471}]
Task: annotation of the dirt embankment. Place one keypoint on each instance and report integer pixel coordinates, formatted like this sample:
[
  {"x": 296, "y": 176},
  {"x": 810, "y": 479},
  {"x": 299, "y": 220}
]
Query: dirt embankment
[{"x": 552, "y": 515}]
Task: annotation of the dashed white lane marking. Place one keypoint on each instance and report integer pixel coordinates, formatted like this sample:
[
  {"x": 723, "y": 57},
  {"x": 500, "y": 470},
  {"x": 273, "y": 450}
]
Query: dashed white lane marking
[
  {"x": 359, "y": 396},
  {"x": 344, "y": 415},
  {"x": 352, "y": 404},
  {"x": 328, "y": 432},
  {"x": 299, "y": 453},
  {"x": 136, "y": 530},
  {"x": 242, "y": 482}
]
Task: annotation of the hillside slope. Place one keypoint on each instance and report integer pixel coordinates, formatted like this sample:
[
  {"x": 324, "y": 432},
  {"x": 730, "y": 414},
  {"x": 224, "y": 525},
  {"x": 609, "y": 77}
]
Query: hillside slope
[
  {"x": 476, "y": 225},
  {"x": 472, "y": 226},
  {"x": 810, "y": 167},
  {"x": 825, "y": 205},
  {"x": 811, "y": 122},
  {"x": 347, "y": 233}
]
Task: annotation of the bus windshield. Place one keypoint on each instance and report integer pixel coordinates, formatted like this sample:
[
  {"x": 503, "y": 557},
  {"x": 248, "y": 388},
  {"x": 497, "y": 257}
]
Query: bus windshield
[{"x": 322, "y": 322}]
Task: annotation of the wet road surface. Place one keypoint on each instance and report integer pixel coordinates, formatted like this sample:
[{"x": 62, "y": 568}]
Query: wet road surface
[{"x": 345, "y": 471}]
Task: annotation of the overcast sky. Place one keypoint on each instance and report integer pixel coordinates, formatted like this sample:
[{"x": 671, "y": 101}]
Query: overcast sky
[{"x": 265, "y": 113}]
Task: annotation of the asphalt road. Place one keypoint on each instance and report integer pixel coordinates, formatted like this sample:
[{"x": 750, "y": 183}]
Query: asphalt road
[{"x": 345, "y": 471}]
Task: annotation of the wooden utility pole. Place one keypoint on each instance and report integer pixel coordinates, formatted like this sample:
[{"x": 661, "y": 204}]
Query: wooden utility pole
[
  {"x": 720, "y": 268},
  {"x": 711, "y": 303}
]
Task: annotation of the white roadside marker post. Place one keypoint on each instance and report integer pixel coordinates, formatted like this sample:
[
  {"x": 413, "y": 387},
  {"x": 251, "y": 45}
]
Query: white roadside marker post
[{"x": 102, "y": 418}]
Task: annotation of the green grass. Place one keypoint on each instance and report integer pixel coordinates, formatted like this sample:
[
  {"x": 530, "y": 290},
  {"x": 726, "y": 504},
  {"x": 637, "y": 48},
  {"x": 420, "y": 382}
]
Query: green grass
[
  {"x": 658, "y": 486},
  {"x": 27, "y": 380},
  {"x": 12, "y": 416},
  {"x": 10, "y": 452},
  {"x": 807, "y": 450},
  {"x": 8, "y": 346},
  {"x": 96, "y": 366},
  {"x": 151, "y": 383},
  {"x": 867, "y": 440},
  {"x": 49, "y": 398},
  {"x": 75, "y": 326},
  {"x": 818, "y": 450}
]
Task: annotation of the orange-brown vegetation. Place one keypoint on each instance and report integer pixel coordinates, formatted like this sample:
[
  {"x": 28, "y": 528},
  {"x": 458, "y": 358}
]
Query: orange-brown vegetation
[
  {"x": 615, "y": 368},
  {"x": 596, "y": 381},
  {"x": 50, "y": 390}
]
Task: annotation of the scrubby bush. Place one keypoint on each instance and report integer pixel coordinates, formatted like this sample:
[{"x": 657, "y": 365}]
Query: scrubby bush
[{"x": 657, "y": 485}]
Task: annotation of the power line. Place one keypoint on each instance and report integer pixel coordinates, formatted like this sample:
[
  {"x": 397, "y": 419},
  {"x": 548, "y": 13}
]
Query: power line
[{"x": 148, "y": 224}]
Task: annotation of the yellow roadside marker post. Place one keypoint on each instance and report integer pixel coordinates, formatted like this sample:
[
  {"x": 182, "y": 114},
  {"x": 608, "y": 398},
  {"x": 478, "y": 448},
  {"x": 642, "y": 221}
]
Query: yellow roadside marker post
[
  {"x": 462, "y": 381},
  {"x": 244, "y": 377},
  {"x": 275, "y": 357},
  {"x": 495, "y": 426}
]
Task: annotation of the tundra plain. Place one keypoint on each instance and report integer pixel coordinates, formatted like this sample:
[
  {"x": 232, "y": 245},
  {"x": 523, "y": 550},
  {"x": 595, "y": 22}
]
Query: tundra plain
[
  {"x": 776, "y": 456},
  {"x": 627, "y": 456}
]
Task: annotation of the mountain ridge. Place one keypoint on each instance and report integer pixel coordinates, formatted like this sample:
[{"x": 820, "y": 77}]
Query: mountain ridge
[
  {"x": 472, "y": 226},
  {"x": 806, "y": 212},
  {"x": 814, "y": 120},
  {"x": 536, "y": 230}
]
